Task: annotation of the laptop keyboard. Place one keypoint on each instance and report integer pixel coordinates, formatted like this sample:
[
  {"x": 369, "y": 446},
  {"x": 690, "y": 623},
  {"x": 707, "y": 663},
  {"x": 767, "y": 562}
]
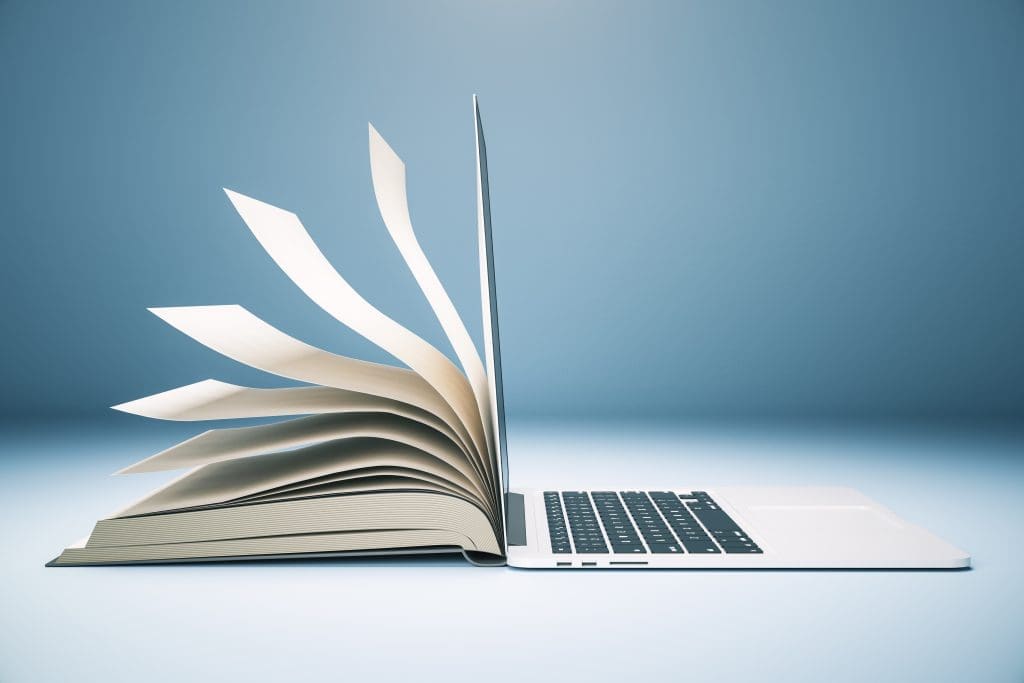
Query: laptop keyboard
[{"x": 639, "y": 522}]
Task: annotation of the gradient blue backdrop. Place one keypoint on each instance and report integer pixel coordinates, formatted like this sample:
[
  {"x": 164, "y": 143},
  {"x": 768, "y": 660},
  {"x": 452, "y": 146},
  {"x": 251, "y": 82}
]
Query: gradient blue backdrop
[{"x": 787, "y": 209}]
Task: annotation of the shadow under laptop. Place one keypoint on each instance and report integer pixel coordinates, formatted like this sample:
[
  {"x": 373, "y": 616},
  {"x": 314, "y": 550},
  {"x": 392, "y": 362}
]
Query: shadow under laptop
[
  {"x": 439, "y": 561},
  {"x": 752, "y": 570}
]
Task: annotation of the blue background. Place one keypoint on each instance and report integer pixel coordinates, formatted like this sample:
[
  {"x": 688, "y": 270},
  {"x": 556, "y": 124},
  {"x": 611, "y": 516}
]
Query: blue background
[
  {"x": 760, "y": 213},
  {"x": 711, "y": 210}
]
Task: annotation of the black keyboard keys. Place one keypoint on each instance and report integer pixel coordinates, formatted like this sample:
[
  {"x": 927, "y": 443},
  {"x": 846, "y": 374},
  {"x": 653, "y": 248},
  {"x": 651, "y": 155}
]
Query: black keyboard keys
[
  {"x": 635, "y": 522},
  {"x": 586, "y": 531},
  {"x": 556, "y": 523},
  {"x": 621, "y": 534},
  {"x": 720, "y": 525},
  {"x": 657, "y": 536},
  {"x": 690, "y": 533}
]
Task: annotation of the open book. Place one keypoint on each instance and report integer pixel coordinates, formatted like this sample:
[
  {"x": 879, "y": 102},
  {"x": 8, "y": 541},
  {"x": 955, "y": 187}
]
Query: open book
[{"x": 369, "y": 458}]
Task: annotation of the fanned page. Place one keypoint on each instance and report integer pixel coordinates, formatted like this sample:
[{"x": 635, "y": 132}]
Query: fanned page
[
  {"x": 215, "y": 400},
  {"x": 286, "y": 241},
  {"x": 333, "y": 484},
  {"x": 228, "y": 444},
  {"x": 221, "y": 482},
  {"x": 239, "y": 335},
  {"x": 389, "y": 186}
]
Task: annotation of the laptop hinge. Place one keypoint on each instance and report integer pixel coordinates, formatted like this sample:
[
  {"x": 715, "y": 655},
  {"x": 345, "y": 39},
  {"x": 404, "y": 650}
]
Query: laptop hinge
[{"x": 515, "y": 518}]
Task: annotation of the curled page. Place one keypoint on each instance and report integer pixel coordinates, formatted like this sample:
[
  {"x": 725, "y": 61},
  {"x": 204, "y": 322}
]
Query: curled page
[
  {"x": 389, "y": 186},
  {"x": 380, "y": 484},
  {"x": 218, "y": 445},
  {"x": 234, "y": 332},
  {"x": 215, "y": 400},
  {"x": 224, "y": 481},
  {"x": 322, "y": 484},
  {"x": 287, "y": 242}
]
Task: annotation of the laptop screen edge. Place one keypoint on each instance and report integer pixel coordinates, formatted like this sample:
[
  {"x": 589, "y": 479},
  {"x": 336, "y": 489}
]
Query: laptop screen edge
[{"x": 489, "y": 302}]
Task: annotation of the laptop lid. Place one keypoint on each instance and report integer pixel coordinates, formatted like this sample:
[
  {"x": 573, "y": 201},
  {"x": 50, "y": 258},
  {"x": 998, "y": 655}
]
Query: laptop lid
[{"x": 489, "y": 300}]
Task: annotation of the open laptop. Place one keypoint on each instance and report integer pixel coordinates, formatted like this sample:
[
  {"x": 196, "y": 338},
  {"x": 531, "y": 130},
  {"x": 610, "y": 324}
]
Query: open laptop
[{"x": 670, "y": 525}]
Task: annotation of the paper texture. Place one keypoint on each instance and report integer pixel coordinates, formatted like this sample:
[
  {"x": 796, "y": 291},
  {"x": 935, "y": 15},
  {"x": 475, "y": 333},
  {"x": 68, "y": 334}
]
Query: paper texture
[
  {"x": 236, "y": 333},
  {"x": 231, "y": 479},
  {"x": 214, "y": 400},
  {"x": 389, "y": 186},
  {"x": 332, "y": 483},
  {"x": 287, "y": 242},
  {"x": 228, "y": 444}
]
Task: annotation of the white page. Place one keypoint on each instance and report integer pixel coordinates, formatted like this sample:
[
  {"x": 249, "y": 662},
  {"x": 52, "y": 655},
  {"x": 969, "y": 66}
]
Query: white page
[
  {"x": 314, "y": 486},
  {"x": 219, "y": 445},
  {"x": 211, "y": 399},
  {"x": 374, "y": 484},
  {"x": 287, "y": 242},
  {"x": 234, "y": 332},
  {"x": 223, "y": 481},
  {"x": 389, "y": 186},
  {"x": 215, "y": 400},
  {"x": 227, "y": 443}
]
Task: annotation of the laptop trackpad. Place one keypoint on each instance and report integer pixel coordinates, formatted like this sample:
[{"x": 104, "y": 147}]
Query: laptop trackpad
[
  {"x": 828, "y": 530},
  {"x": 826, "y": 527},
  {"x": 835, "y": 526}
]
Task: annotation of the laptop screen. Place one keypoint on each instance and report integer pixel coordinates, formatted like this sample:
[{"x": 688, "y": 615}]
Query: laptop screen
[{"x": 489, "y": 299}]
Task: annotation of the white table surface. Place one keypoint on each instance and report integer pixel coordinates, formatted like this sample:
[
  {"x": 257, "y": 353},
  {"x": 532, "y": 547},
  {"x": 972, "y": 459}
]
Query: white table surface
[{"x": 441, "y": 619}]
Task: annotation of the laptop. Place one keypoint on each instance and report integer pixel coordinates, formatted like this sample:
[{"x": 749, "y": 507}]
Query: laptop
[{"x": 673, "y": 526}]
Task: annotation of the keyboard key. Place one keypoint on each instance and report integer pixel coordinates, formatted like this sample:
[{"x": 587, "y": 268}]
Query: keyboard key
[
  {"x": 586, "y": 531},
  {"x": 727, "y": 532},
  {"x": 652, "y": 527},
  {"x": 703, "y": 548},
  {"x": 620, "y": 530},
  {"x": 666, "y": 548},
  {"x": 557, "y": 531}
]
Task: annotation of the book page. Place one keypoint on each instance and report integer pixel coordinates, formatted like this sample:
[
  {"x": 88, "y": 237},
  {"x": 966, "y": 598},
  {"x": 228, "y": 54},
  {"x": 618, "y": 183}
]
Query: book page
[
  {"x": 214, "y": 400},
  {"x": 307, "y": 487},
  {"x": 225, "y": 444},
  {"x": 365, "y": 484},
  {"x": 219, "y": 445},
  {"x": 389, "y": 186},
  {"x": 285, "y": 239},
  {"x": 234, "y": 332},
  {"x": 223, "y": 481},
  {"x": 211, "y": 399}
]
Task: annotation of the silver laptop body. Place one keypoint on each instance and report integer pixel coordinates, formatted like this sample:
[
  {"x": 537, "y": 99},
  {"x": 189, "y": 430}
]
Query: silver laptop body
[{"x": 680, "y": 524}]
